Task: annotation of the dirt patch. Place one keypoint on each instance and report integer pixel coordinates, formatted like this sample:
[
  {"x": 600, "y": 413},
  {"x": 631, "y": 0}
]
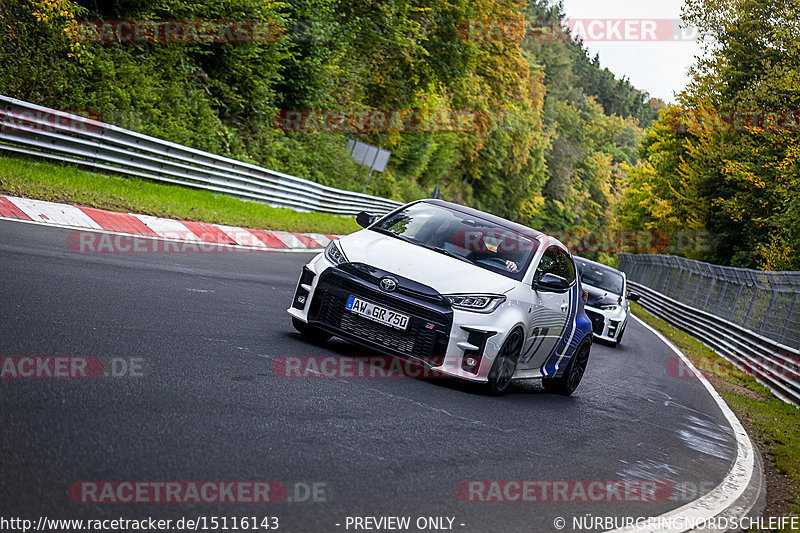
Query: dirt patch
[{"x": 726, "y": 387}]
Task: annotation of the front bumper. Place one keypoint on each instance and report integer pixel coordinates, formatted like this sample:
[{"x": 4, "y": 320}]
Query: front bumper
[
  {"x": 437, "y": 335},
  {"x": 606, "y": 325}
]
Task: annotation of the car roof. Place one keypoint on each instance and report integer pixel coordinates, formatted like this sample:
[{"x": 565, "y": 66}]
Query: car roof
[{"x": 494, "y": 219}]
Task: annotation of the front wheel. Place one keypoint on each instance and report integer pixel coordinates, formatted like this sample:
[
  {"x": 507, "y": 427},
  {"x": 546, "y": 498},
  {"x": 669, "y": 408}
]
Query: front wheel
[
  {"x": 505, "y": 364},
  {"x": 310, "y": 331},
  {"x": 573, "y": 374}
]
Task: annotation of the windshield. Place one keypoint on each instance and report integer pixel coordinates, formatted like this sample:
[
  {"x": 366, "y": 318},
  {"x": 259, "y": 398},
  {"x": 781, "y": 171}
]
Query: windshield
[
  {"x": 600, "y": 277},
  {"x": 463, "y": 236}
]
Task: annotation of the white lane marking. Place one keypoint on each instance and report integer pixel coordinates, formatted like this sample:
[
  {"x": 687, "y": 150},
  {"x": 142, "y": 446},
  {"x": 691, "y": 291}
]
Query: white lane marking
[
  {"x": 732, "y": 486},
  {"x": 242, "y": 237},
  {"x": 168, "y": 228},
  {"x": 51, "y": 212}
]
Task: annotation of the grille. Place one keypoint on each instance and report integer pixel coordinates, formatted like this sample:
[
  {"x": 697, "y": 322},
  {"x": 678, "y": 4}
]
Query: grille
[
  {"x": 417, "y": 339},
  {"x": 598, "y": 321},
  {"x": 391, "y": 339},
  {"x": 428, "y": 328}
]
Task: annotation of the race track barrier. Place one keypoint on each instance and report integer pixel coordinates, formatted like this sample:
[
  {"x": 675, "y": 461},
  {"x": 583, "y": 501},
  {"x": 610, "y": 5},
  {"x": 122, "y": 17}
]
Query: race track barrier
[
  {"x": 691, "y": 296},
  {"x": 34, "y": 130}
]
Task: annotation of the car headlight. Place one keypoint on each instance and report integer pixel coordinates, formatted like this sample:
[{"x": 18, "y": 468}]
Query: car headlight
[
  {"x": 611, "y": 308},
  {"x": 478, "y": 303},
  {"x": 334, "y": 254}
]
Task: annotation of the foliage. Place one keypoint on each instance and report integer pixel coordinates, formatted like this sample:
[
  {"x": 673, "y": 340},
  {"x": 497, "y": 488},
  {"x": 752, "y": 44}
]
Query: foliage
[
  {"x": 726, "y": 161},
  {"x": 552, "y": 135}
]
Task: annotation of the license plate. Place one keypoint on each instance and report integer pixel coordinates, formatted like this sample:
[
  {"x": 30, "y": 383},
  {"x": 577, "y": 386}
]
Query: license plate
[{"x": 377, "y": 313}]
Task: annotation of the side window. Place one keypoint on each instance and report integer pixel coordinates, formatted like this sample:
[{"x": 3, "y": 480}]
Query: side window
[
  {"x": 567, "y": 266},
  {"x": 556, "y": 261}
]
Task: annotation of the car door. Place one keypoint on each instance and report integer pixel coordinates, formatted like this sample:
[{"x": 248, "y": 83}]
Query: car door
[{"x": 549, "y": 310}]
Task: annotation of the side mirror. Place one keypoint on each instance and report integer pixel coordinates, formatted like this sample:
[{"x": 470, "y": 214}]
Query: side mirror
[
  {"x": 633, "y": 296},
  {"x": 364, "y": 219},
  {"x": 551, "y": 283}
]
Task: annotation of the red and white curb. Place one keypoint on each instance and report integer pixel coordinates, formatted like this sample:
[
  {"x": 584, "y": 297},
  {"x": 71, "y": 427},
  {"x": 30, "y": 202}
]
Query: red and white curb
[{"x": 89, "y": 218}]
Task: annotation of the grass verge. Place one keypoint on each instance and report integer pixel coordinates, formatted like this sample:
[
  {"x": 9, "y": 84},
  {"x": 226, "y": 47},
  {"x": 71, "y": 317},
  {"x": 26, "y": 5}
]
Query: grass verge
[
  {"x": 68, "y": 184},
  {"x": 773, "y": 424}
]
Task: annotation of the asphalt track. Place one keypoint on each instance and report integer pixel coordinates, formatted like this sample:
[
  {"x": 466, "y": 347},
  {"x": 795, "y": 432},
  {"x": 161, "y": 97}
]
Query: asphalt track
[{"x": 203, "y": 331}]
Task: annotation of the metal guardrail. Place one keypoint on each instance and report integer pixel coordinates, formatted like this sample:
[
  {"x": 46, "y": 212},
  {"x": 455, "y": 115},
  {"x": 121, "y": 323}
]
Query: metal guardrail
[
  {"x": 766, "y": 303},
  {"x": 30, "y": 129},
  {"x": 771, "y": 362}
]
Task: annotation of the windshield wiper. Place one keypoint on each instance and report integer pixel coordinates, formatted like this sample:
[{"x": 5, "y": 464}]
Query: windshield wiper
[
  {"x": 396, "y": 235},
  {"x": 449, "y": 254}
]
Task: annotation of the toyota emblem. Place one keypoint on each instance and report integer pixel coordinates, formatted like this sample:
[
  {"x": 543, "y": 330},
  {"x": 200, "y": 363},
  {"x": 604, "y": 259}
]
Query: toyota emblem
[{"x": 388, "y": 284}]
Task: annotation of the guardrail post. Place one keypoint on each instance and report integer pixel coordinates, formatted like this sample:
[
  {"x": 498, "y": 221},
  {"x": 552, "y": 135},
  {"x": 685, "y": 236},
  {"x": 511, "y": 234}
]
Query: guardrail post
[
  {"x": 708, "y": 294},
  {"x": 685, "y": 282},
  {"x": 773, "y": 288},
  {"x": 768, "y": 313},
  {"x": 699, "y": 286},
  {"x": 667, "y": 278},
  {"x": 736, "y": 302},
  {"x": 782, "y": 337},
  {"x": 752, "y": 301},
  {"x": 722, "y": 297}
]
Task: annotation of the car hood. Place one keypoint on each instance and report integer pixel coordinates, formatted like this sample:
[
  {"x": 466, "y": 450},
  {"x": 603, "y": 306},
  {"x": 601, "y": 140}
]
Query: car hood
[
  {"x": 598, "y": 297},
  {"x": 444, "y": 274}
]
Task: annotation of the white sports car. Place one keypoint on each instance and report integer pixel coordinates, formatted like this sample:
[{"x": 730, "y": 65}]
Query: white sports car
[
  {"x": 607, "y": 303},
  {"x": 466, "y": 293}
]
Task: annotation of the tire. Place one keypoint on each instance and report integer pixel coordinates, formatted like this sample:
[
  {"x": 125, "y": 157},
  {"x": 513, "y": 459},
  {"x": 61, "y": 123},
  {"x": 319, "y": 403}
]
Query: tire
[
  {"x": 310, "y": 331},
  {"x": 505, "y": 364},
  {"x": 569, "y": 381}
]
